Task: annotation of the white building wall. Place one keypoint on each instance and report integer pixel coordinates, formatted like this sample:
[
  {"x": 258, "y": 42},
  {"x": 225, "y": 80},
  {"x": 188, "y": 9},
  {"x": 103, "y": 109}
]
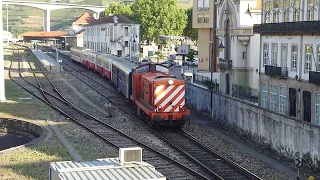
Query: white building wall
[
  {"x": 253, "y": 63},
  {"x": 112, "y": 38}
]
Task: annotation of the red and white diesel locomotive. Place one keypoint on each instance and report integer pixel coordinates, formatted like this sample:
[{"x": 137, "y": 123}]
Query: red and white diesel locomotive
[{"x": 156, "y": 93}]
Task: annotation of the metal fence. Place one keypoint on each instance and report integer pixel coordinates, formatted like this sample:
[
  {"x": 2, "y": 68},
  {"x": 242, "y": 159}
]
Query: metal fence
[
  {"x": 197, "y": 78},
  {"x": 243, "y": 92}
]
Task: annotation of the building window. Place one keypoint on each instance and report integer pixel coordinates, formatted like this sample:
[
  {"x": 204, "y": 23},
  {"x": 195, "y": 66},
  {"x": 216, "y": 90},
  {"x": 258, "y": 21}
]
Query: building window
[
  {"x": 126, "y": 43},
  {"x": 273, "y": 97},
  {"x": 264, "y": 95},
  {"x": 286, "y": 11},
  {"x": 206, "y": 19},
  {"x": 311, "y": 8},
  {"x": 274, "y": 57},
  {"x": 267, "y": 12},
  {"x": 294, "y": 57},
  {"x": 200, "y": 4},
  {"x": 276, "y": 11},
  {"x": 119, "y": 53},
  {"x": 317, "y": 109},
  {"x": 308, "y": 59},
  {"x": 200, "y": 18},
  {"x": 126, "y": 31},
  {"x": 265, "y": 53},
  {"x": 282, "y": 100},
  {"x": 296, "y": 11},
  {"x": 206, "y": 4},
  {"x": 284, "y": 55}
]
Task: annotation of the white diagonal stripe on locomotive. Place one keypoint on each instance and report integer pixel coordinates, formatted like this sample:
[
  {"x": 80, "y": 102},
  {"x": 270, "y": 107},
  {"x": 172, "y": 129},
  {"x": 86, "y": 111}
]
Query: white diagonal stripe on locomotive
[
  {"x": 168, "y": 109},
  {"x": 172, "y": 95},
  {"x": 181, "y": 104},
  {"x": 158, "y": 89},
  {"x": 162, "y": 95}
]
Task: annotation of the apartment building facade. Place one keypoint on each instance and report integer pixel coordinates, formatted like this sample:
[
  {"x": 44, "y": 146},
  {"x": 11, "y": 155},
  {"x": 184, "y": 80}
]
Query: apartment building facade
[
  {"x": 290, "y": 58},
  {"x": 114, "y": 34},
  {"x": 238, "y": 62}
]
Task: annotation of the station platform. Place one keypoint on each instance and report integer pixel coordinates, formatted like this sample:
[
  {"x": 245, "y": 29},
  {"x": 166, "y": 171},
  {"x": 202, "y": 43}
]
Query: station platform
[{"x": 48, "y": 62}]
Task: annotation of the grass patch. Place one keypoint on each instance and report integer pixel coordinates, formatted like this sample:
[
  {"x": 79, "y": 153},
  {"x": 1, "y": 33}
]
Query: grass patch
[{"x": 33, "y": 163}]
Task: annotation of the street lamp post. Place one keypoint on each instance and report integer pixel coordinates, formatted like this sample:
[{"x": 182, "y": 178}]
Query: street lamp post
[
  {"x": 133, "y": 41},
  {"x": 2, "y": 89}
]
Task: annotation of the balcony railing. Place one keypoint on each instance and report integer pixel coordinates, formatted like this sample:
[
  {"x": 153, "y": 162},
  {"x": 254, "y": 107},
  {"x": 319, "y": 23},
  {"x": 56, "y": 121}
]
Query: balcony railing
[
  {"x": 225, "y": 64},
  {"x": 314, "y": 77},
  {"x": 274, "y": 71}
]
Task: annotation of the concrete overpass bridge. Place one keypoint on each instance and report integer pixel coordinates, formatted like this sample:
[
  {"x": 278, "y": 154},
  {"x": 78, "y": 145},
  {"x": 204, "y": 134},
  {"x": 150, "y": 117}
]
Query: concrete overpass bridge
[{"x": 48, "y": 7}]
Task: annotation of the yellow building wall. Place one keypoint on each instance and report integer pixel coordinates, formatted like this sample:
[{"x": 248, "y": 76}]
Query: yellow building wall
[{"x": 203, "y": 49}]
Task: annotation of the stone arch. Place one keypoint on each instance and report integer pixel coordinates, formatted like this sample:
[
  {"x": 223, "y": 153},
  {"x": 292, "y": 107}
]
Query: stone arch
[{"x": 231, "y": 15}]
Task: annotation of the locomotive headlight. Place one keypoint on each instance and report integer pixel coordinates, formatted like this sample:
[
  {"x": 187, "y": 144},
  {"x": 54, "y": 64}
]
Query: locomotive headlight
[{"x": 170, "y": 81}]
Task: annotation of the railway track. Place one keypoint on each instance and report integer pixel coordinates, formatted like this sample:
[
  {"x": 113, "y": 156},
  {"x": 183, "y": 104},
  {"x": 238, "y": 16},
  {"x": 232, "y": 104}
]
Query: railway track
[
  {"x": 171, "y": 168},
  {"x": 197, "y": 151}
]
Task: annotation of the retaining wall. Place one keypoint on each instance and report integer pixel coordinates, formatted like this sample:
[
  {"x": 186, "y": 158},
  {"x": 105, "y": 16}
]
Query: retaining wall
[{"x": 290, "y": 137}]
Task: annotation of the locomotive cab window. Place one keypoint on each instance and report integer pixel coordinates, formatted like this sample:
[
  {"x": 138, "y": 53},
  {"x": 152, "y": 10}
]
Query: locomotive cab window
[
  {"x": 162, "y": 69},
  {"x": 142, "y": 69}
]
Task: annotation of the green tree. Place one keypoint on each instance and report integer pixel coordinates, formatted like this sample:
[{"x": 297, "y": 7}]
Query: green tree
[
  {"x": 190, "y": 56},
  {"x": 119, "y": 8},
  {"x": 159, "y": 17},
  {"x": 189, "y": 31}
]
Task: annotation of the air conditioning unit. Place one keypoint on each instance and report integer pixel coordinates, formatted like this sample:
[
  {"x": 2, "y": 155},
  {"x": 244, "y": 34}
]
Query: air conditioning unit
[
  {"x": 199, "y": 8},
  {"x": 133, "y": 154}
]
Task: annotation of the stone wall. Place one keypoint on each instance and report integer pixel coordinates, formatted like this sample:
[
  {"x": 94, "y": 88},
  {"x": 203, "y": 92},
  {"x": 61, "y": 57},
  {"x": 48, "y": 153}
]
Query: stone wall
[
  {"x": 26, "y": 128},
  {"x": 290, "y": 137}
]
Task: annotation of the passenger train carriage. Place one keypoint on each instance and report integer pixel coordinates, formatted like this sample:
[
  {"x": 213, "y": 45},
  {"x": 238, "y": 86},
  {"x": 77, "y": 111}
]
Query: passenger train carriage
[
  {"x": 156, "y": 93},
  {"x": 77, "y": 54}
]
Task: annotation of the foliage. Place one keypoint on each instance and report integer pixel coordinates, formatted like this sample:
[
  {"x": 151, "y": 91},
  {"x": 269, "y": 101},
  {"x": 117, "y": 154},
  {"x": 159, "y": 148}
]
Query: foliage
[
  {"x": 190, "y": 56},
  {"x": 119, "y": 8},
  {"x": 210, "y": 85},
  {"x": 159, "y": 17},
  {"x": 189, "y": 31},
  {"x": 159, "y": 54}
]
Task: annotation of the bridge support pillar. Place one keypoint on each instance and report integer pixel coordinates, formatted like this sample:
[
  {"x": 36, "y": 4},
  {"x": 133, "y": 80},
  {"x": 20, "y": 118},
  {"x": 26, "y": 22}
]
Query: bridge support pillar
[
  {"x": 2, "y": 88},
  {"x": 46, "y": 20}
]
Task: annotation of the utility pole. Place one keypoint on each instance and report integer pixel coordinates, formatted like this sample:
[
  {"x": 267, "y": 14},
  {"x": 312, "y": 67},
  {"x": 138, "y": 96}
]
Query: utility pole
[
  {"x": 213, "y": 62},
  {"x": 7, "y": 24},
  {"x": 2, "y": 89}
]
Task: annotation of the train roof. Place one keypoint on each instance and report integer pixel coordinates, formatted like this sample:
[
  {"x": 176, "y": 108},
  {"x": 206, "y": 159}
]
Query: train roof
[
  {"x": 123, "y": 64},
  {"x": 105, "y": 57}
]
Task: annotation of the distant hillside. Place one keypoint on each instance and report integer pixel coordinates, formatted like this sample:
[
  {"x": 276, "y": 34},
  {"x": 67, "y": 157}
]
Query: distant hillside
[{"x": 22, "y": 18}]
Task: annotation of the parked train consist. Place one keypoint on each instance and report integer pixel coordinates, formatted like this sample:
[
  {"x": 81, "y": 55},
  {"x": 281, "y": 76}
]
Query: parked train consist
[{"x": 158, "y": 95}]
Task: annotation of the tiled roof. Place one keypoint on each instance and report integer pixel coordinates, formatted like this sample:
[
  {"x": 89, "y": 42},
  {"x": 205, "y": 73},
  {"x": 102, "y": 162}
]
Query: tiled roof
[
  {"x": 44, "y": 34},
  {"x": 109, "y": 19},
  {"x": 84, "y": 19}
]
